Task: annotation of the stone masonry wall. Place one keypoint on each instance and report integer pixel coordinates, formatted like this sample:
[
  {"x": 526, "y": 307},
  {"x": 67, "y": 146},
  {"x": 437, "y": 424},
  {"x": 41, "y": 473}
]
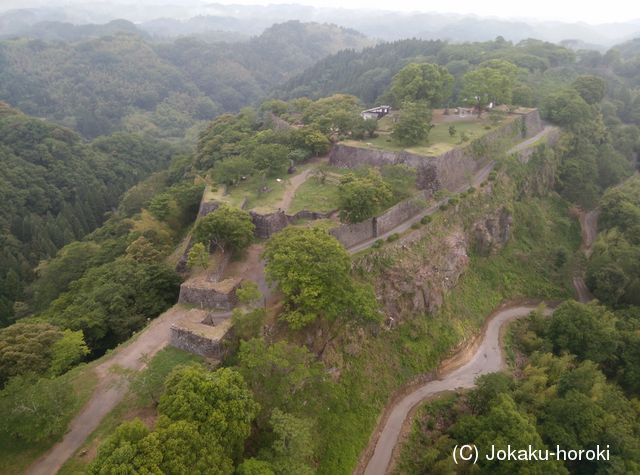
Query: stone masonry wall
[
  {"x": 206, "y": 295},
  {"x": 449, "y": 170},
  {"x": 351, "y": 234},
  {"x": 270, "y": 223},
  {"x": 193, "y": 343},
  {"x": 398, "y": 214}
]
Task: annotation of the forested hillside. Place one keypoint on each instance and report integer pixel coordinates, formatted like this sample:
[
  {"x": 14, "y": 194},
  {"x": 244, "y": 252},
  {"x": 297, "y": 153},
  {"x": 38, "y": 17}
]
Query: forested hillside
[
  {"x": 55, "y": 188},
  {"x": 100, "y": 225},
  {"x": 125, "y": 82},
  {"x": 545, "y": 67}
]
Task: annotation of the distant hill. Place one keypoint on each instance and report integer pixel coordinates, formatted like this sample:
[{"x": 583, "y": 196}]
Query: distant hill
[
  {"x": 196, "y": 18},
  {"x": 64, "y": 31},
  {"x": 125, "y": 81}
]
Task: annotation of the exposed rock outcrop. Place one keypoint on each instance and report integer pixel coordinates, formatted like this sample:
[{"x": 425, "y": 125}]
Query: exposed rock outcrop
[
  {"x": 418, "y": 282},
  {"x": 492, "y": 233},
  {"x": 423, "y": 272}
]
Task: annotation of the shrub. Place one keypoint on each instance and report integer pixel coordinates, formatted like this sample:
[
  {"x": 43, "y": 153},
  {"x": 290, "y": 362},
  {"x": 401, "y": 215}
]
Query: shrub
[
  {"x": 426, "y": 219},
  {"x": 415, "y": 225},
  {"x": 377, "y": 244},
  {"x": 393, "y": 237}
]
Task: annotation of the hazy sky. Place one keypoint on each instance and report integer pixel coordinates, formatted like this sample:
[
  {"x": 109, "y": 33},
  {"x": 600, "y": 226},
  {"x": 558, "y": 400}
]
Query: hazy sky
[{"x": 567, "y": 10}]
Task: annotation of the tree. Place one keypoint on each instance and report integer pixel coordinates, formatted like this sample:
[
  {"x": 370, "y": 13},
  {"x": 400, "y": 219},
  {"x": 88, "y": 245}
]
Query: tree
[
  {"x": 292, "y": 450},
  {"x": 35, "y": 409},
  {"x": 113, "y": 300},
  {"x": 248, "y": 324},
  {"x": 313, "y": 271},
  {"x": 255, "y": 467},
  {"x": 361, "y": 198},
  {"x": 227, "y": 228},
  {"x": 231, "y": 170},
  {"x": 282, "y": 375},
  {"x": 27, "y": 347},
  {"x": 504, "y": 425},
  {"x": 248, "y": 292},
  {"x": 67, "y": 352},
  {"x": 587, "y": 331},
  {"x": 566, "y": 108},
  {"x": 198, "y": 256},
  {"x": 311, "y": 139},
  {"x": 55, "y": 275},
  {"x": 218, "y": 403},
  {"x": 590, "y": 88},
  {"x": 185, "y": 449},
  {"x": 491, "y": 82},
  {"x": 270, "y": 158},
  {"x": 422, "y": 82},
  {"x": 131, "y": 449},
  {"x": 143, "y": 250},
  {"x": 414, "y": 124}
]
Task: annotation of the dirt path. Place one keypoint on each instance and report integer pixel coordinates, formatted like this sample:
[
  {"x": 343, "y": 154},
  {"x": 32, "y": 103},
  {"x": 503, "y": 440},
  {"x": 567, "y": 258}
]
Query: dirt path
[
  {"x": 296, "y": 181},
  {"x": 109, "y": 391},
  {"x": 487, "y": 358}
]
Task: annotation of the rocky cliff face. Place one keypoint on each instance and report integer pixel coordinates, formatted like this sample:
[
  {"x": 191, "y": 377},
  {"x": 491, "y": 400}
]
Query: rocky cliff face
[
  {"x": 492, "y": 233},
  {"x": 422, "y": 272}
]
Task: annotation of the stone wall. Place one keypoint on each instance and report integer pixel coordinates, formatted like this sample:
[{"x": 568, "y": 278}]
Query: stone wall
[
  {"x": 351, "y": 234},
  {"x": 450, "y": 170},
  {"x": 207, "y": 207},
  {"x": 398, "y": 214},
  {"x": 190, "y": 341},
  {"x": 203, "y": 293},
  {"x": 268, "y": 224}
]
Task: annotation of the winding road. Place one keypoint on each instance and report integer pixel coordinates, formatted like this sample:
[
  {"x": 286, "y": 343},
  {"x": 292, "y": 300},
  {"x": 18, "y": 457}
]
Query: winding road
[{"x": 488, "y": 358}]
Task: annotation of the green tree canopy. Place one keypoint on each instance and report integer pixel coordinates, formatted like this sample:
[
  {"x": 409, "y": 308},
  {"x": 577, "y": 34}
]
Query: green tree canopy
[
  {"x": 313, "y": 271},
  {"x": 491, "y": 82},
  {"x": 361, "y": 197},
  {"x": 227, "y": 228},
  {"x": 198, "y": 256},
  {"x": 218, "y": 403},
  {"x": 590, "y": 88},
  {"x": 414, "y": 124},
  {"x": 422, "y": 82},
  {"x": 33, "y": 409},
  {"x": 585, "y": 330}
]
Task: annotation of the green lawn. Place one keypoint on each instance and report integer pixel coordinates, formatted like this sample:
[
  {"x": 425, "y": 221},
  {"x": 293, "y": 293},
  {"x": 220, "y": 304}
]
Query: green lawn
[
  {"x": 313, "y": 195},
  {"x": 251, "y": 190},
  {"x": 438, "y": 142}
]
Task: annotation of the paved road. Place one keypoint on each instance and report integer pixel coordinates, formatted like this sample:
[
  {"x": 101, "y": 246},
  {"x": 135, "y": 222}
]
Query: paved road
[
  {"x": 109, "y": 391},
  {"x": 487, "y": 358},
  {"x": 479, "y": 178}
]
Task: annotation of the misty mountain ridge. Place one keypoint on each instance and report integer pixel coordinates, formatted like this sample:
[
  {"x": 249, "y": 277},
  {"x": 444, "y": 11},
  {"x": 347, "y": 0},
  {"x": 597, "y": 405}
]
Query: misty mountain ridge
[{"x": 202, "y": 19}]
